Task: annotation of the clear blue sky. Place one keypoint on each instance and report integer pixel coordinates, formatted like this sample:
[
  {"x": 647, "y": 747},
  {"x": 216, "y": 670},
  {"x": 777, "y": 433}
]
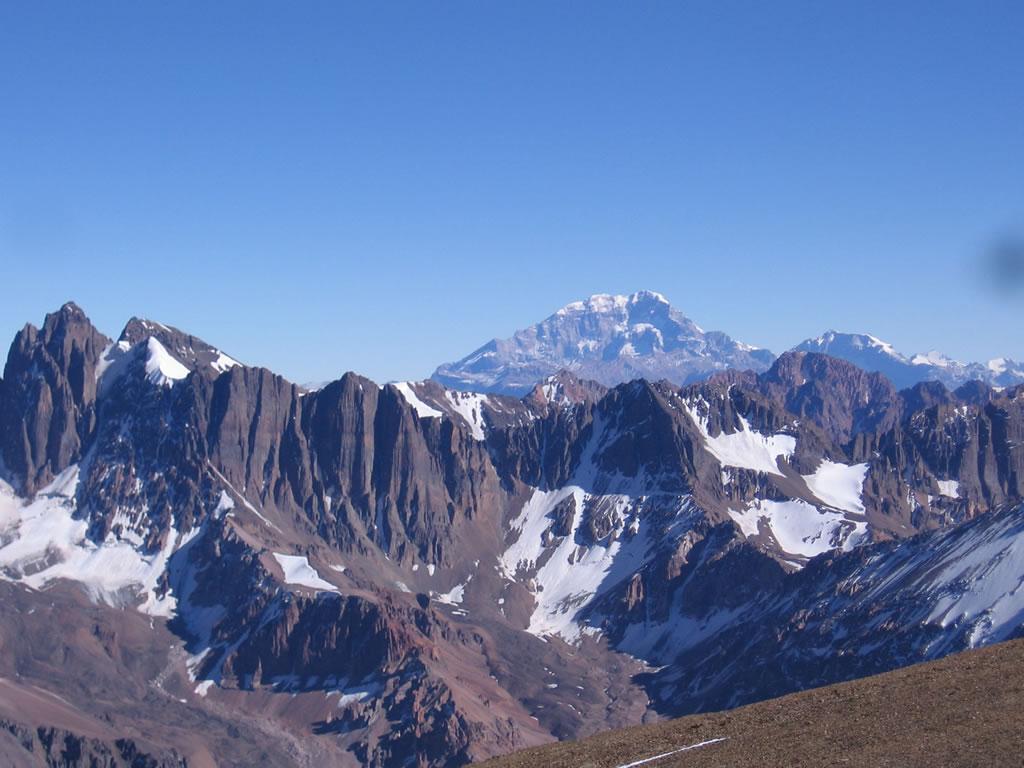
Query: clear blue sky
[{"x": 318, "y": 187}]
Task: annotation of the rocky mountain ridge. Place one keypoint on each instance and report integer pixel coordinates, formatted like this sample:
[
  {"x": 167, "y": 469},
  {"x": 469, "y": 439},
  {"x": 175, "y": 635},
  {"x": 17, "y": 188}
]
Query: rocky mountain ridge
[{"x": 411, "y": 574}]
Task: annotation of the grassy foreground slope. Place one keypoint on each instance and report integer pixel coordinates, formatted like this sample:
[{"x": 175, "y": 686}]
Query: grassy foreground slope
[{"x": 963, "y": 710}]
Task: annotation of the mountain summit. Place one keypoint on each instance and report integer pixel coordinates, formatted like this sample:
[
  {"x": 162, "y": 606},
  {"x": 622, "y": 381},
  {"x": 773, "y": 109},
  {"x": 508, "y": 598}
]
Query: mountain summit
[{"x": 606, "y": 338}]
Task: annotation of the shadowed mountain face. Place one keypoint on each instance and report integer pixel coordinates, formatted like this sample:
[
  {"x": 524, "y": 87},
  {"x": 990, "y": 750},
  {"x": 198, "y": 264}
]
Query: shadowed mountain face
[
  {"x": 609, "y": 339},
  {"x": 412, "y": 574},
  {"x": 49, "y": 395}
]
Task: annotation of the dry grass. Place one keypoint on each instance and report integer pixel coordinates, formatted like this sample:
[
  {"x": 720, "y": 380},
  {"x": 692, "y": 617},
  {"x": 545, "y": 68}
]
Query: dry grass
[{"x": 964, "y": 710}]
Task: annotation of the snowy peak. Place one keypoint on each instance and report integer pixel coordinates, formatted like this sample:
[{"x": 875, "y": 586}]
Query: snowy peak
[
  {"x": 1006, "y": 372},
  {"x": 69, "y": 313},
  {"x": 607, "y": 338},
  {"x": 165, "y": 355},
  {"x": 873, "y": 354},
  {"x": 608, "y": 303},
  {"x": 936, "y": 359},
  {"x": 191, "y": 352},
  {"x": 841, "y": 344},
  {"x": 636, "y": 324}
]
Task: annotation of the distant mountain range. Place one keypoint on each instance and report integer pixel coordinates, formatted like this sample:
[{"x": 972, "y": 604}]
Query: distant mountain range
[
  {"x": 612, "y": 339},
  {"x": 873, "y": 354}
]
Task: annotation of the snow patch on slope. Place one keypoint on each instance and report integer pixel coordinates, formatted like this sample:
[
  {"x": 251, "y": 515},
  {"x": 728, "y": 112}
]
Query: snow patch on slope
[
  {"x": 357, "y": 694},
  {"x": 470, "y": 406},
  {"x": 41, "y": 541},
  {"x": 162, "y": 368},
  {"x": 745, "y": 449},
  {"x": 981, "y": 582},
  {"x": 223, "y": 362},
  {"x": 453, "y": 596},
  {"x": 111, "y": 355},
  {"x": 839, "y": 485},
  {"x": 423, "y": 410},
  {"x": 572, "y": 572},
  {"x": 298, "y": 571},
  {"x": 798, "y": 527}
]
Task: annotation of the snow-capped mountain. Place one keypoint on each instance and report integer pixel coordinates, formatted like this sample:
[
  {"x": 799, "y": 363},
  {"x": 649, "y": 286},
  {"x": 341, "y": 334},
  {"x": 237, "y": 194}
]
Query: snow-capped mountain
[
  {"x": 873, "y": 354},
  {"x": 414, "y": 574},
  {"x": 608, "y": 339},
  {"x": 613, "y": 339}
]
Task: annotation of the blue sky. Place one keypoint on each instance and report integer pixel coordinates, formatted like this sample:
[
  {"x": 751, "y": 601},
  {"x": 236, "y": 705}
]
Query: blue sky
[{"x": 318, "y": 187}]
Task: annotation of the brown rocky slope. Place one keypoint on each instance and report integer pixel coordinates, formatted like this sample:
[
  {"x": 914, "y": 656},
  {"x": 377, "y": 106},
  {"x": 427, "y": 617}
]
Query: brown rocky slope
[{"x": 964, "y": 710}]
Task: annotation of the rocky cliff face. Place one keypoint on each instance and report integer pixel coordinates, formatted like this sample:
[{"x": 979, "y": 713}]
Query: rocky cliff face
[
  {"x": 58, "y": 748},
  {"x": 411, "y": 574},
  {"x": 49, "y": 396}
]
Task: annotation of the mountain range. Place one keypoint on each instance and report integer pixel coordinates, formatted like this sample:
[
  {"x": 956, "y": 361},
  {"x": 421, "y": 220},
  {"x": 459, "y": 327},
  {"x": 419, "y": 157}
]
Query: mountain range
[
  {"x": 204, "y": 563},
  {"x": 873, "y": 354},
  {"x": 612, "y": 339}
]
